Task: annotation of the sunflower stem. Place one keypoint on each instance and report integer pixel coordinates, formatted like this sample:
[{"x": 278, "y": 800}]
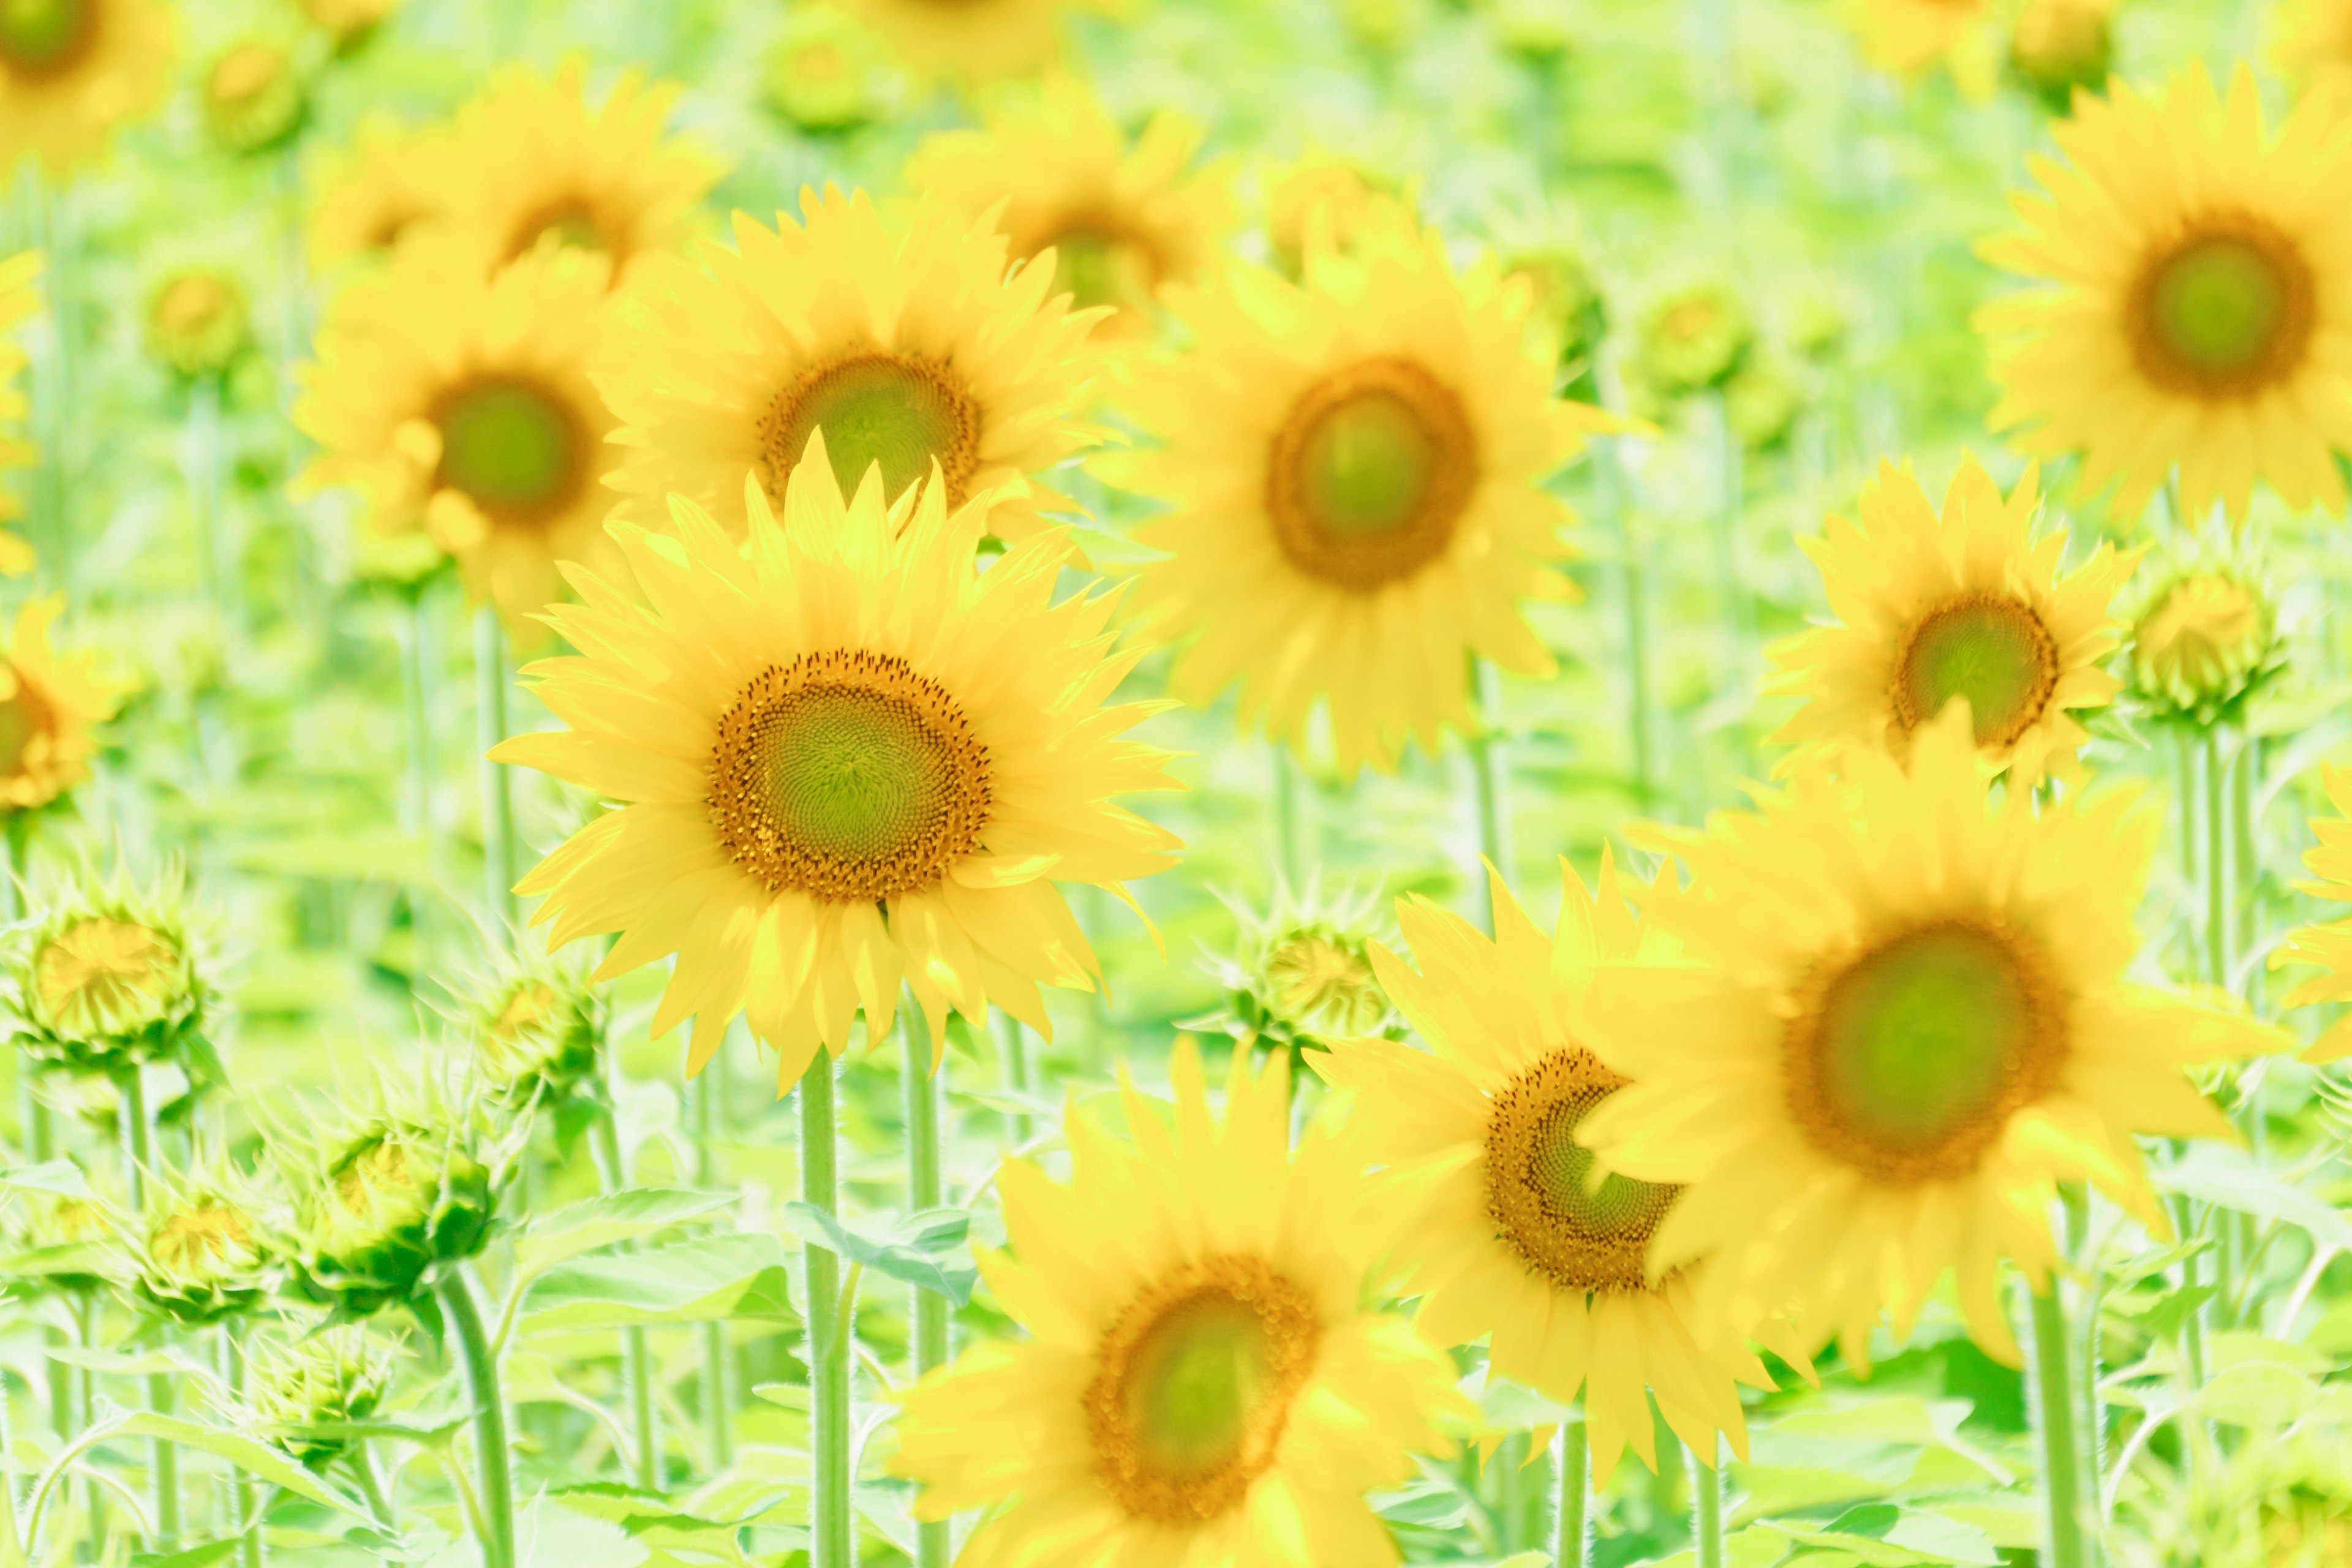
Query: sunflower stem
[
  {"x": 455, "y": 1294},
  {"x": 1728, "y": 519},
  {"x": 825, "y": 1342},
  {"x": 1285, "y": 814},
  {"x": 2217, "y": 861},
  {"x": 1012, "y": 1039},
  {"x": 926, "y": 1189},
  {"x": 1706, "y": 1506},
  {"x": 204, "y": 491},
  {"x": 2061, "y": 1470},
  {"x": 2245, "y": 856},
  {"x": 636, "y": 1342},
  {"x": 1570, "y": 1520},
  {"x": 498, "y": 791},
  {"x": 20, "y": 863},
  {"x": 417, "y": 694},
  {"x": 1490, "y": 778},
  {"x": 1610, "y": 460},
  {"x": 139, "y": 1161},
  {"x": 718, "y": 1411},
  {"x": 370, "y": 1486},
  {"x": 232, "y": 1374},
  {"x": 58, "y": 389}
]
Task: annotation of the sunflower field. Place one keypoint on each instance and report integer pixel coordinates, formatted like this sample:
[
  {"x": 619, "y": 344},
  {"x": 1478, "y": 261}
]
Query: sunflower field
[{"x": 1176, "y": 784}]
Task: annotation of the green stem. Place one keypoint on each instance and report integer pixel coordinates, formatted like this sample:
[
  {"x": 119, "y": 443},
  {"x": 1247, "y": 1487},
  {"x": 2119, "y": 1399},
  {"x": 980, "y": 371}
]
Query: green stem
[
  {"x": 205, "y": 491},
  {"x": 1570, "y": 1527},
  {"x": 637, "y": 1340},
  {"x": 2246, "y": 855},
  {"x": 1610, "y": 459},
  {"x": 20, "y": 863},
  {"x": 1706, "y": 1506},
  {"x": 1490, "y": 776},
  {"x": 2217, "y": 864},
  {"x": 370, "y": 1487},
  {"x": 139, "y": 1160},
  {"x": 232, "y": 1371},
  {"x": 59, "y": 388},
  {"x": 1285, "y": 814},
  {"x": 2061, "y": 1462},
  {"x": 827, "y": 1339},
  {"x": 2084, "y": 1248},
  {"x": 496, "y": 1485},
  {"x": 498, "y": 791},
  {"x": 926, "y": 1189},
  {"x": 1728, "y": 518},
  {"x": 1012, "y": 1039},
  {"x": 718, "y": 1412}
]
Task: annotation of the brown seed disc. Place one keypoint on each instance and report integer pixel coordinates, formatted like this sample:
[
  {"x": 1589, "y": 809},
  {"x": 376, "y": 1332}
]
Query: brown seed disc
[
  {"x": 1539, "y": 1189},
  {"x": 1370, "y": 472}
]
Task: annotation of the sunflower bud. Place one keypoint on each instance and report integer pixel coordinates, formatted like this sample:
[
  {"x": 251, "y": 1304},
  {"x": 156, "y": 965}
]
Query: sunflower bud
[
  {"x": 2058, "y": 46},
  {"x": 298, "y": 1384},
  {"x": 1342, "y": 197},
  {"x": 62, "y": 1242},
  {"x": 2204, "y": 638},
  {"x": 199, "y": 1256},
  {"x": 111, "y": 978},
  {"x": 1301, "y": 974},
  {"x": 253, "y": 97},
  {"x": 1695, "y": 338},
  {"x": 827, "y": 72},
  {"x": 197, "y": 321},
  {"x": 351, "y": 22},
  {"x": 539, "y": 1030}
]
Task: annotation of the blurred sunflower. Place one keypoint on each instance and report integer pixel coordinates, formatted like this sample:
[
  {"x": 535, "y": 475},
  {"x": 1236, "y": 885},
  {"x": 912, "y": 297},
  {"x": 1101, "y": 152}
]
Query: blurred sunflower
[
  {"x": 197, "y": 321},
  {"x": 972, "y": 40},
  {"x": 827, "y": 71},
  {"x": 1204, "y": 1383},
  {"x": 2201, "y": 313},
  {"x": 460, "y": 404},
  {"x": 307, "y": 1389},
  {"x": 1121, "y": 219},
  {"x": 1907, "y": 37},
  {"x": 2312, "y": 40},
  {"x": 1483, "y": 1185},
  {"x": 2059, "y": 45},
  {"x": 1334, "y": 197},
  {"x": 908, "y": 347},
  {"x": 1967, "y": 604},
  {"x": 49, "y": 702},
  {"x": 1912, "y": 1022},
  {"x": 349, "y": 21},
  {"x": 2204, "y": 632},
  {"x": 1353, "y": 464},
  {"x": 253, "y": 97},
  {"x": 2328, "y": 945},
  {"x": 378, "y": 190},
  {"x": 529, "y": 160},
  {"x": 198, "y": 1254},
  {"x": 70, "y": 71},
  {"x": 848, "y": 761},
  {"x": 20, "y": 301}
]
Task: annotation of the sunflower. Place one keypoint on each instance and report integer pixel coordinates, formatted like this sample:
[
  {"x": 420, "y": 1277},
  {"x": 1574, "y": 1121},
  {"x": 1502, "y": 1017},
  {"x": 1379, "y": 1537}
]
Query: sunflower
[
  {"x": 2204, "y": 632},
  {"x": 377, "y": 192},
  {"x": 49, "y": 703},
  {"x": 844, "y": 759},
  {"x": 1120, "y": 219},
  {"x": 461, "y": 405},
  {"x": 1338, "y": 196},
  {"x": 70, "y": 71},
  {"x": 1907, "y": 36},
  {"x": 1969, "y": 604},
  {"x": 2201, "y": 315},
  {"x": 2060, "y": 45},
  {"x": 1353, "y": 468},
  {"x": 971, "y": 40},
  {"x": 529, "y": 160},
  {"x": 2329, "y": 946},
  {"x": 1486, "y": 1187},
  {"x": 1911, "y": 1023},
  {"x": 20, "y": 300},
  {"x": 909, "y": 348},
  {"x": 1205, "y": 1384}
]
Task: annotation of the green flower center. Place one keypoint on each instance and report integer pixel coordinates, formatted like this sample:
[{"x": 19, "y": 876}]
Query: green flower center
[
  {"x": 42, "y": 38},
  {"x": 1909, "y": 1060},
  {"x": 513, "y": 448},
  {"x": 1193, "y": 1387},
  {"x": 1562, "y": 1169},
  {"x": 1994, "y": 651},
  {"x": 1369, "y": 474},
  {"x": 2225, "y": 312},
  {"x": 1539, "y": 1189},
  {"x": 848, "y": 777},
  {"x": 892, "y": 409}
]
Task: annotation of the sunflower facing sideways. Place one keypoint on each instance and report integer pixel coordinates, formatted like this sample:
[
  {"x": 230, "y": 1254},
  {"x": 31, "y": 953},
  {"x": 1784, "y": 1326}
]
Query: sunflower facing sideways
[
  {"x": 1352, "y": 465},
  {"x": 1910, "y": 1023},
  {"x": 1203, "y": 1384},
  {"x": 1485, "y": 1186},
  {"x": 1969, "y": 604},
  {"x": 460, "y": 404},
  {"x": 70, "y": 71},
  {"x": 1120, "y": 219},
  {"x": 530, "y": 160},
  {"x": 907, "y": 346},
  {"x": 2200, "y": 315},
  {"x": 844, "y": 759},
  {"x": 49, "y": 702}
]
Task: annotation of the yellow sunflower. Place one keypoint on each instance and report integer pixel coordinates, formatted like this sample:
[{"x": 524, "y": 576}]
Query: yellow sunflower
[
  {"x": 461, "y": 405},
  {"x": 1203, "y": 1384},
  {"x": 49, "y": 703},
  {"x": 1486, "y": 1190},
  {"x": 1967, "y": 604},
  {"x": 2329, "y": 945},
  {"x": 1120, "y": 219},
  {"x": 844, "y": 759},
  {"x": 379, "y": 191},
  {"x": 1353, "y": 468},
  {"x": 2200, "y": 313},
  {"x": 530, "y": 160},
  {"x": 1340, "y": 197},
  {"x": 20, "y": 301},
  {"x": 908, "y": 347},
  {"x": 971, "y": 40},
  {"x": 70, "y": 71},
  {"x": 1912, "y": 1022},
  {"x": 1907, "y": 36},
  {"x": 2312, "y": 40}
]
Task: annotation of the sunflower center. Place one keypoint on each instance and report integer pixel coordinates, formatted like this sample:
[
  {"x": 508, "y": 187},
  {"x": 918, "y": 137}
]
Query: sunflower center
[
  {"x": 209, "y": 1233},
  {"x": 25, "y": 718},
  {"x": 1369, "y": 474},
  {"x": 1193, "y": 1385},
  {"x": 2225, "y": 312},
  {"x": 892, "y": 409},
  {"x": 1098, "y": 260},
  {"x": 1992, "y": 650},
  {"x": 513, "y": 448},
  {"x": 849, "y": 777},
  {"x": 1540, "y": 1191},
  {"x": 1908, "y": 1061},
  {"x": 44, "y": 39},
  {"x": 571, "y": 223}
]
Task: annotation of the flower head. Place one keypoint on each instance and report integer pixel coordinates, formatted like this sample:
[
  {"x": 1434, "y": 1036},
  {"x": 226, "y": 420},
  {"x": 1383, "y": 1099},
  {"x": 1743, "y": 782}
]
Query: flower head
[{"x": 111, "y": 976}]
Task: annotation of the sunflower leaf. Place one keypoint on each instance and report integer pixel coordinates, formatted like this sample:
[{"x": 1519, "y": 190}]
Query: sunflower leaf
[{"x": 926, "y": 1249}]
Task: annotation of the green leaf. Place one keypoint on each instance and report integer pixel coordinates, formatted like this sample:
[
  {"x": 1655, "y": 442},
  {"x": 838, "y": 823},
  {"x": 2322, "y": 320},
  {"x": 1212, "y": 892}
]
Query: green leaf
[
  {"x": 2228, "y": 1178},
  {"x": 549, "y": 1535},
  {"x": 62, "y": 1177},
  {"x": 255, "y": 1458},
  {"x": 2173, "y": 1312},
  {"x": 925, "y": 1250},
  {"x": 606, "y": 1220},
  {"x": 700, "y": 1281},
  {"x": 202, "y": 1556}
]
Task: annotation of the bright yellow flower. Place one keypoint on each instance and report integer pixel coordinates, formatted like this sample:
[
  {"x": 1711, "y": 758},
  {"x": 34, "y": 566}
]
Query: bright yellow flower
[
  {"x": 461, "y": 405},
  {"x": 1907, "y": 36},
  {"x": 20, "y": 300},
  {"x": 1203, "y": 1384},
  {"x": 2312, "y": 40},
  {"x": 907, "y": 346},
  {"x": 844, "y": 759},
  {"x": 1120, "y": 219},
  {"x": 1340, "y": 196},
  {"x": 1485, "y": 1188},
  {"x": 971, "y": 40},
  {"x": 70, "y": 71},
  {"x": 1912, "y": 1022},
  {"x": 388, "y": 182},
  {"x": 2327, "y": 945},
  {"x": 1970, "y": 604},
  {"x": 530, "y": 160},
  {"x": 2200, "y": 313},
  {"x": 49, "y": 703},
  {"x": 1353, "y": 466}
]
